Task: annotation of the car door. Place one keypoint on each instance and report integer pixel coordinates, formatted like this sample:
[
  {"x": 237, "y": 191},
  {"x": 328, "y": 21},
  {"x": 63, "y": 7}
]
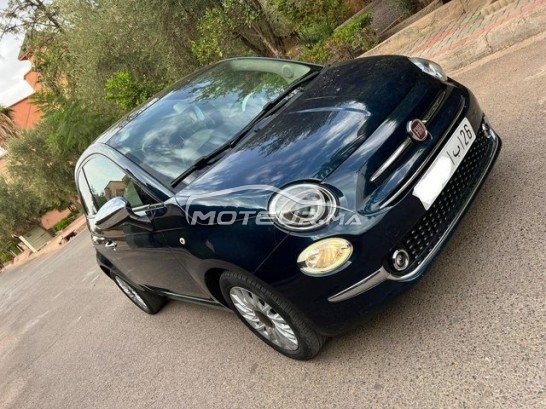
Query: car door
[{"x": 137, "y": 252}]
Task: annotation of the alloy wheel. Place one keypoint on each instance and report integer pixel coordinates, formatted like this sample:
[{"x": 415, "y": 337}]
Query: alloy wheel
[
  {"x": 131, "y": 293},
  {"x": 263, "y": 318}
]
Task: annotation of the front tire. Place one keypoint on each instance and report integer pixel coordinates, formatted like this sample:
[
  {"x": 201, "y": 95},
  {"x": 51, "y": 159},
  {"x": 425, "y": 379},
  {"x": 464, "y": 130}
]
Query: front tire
[
  {"x": 148, "y": 302},
  {"x": 270, "y": 317}
]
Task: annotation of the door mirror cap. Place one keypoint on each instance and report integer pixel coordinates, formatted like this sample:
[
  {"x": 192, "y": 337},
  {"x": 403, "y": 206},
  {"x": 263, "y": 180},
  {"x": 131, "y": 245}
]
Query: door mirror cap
[{"x": 113, "y": 213}]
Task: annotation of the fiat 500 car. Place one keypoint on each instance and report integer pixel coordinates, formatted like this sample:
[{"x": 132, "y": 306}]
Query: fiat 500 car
[{"x": 301, "y": 197}]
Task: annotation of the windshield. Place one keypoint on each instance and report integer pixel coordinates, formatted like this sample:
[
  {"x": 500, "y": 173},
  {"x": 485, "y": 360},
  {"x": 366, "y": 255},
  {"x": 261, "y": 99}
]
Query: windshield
[{"x": 201, "y": 113}]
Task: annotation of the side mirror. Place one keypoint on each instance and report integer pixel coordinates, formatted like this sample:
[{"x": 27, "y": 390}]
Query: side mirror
[
  {"x": 114, "y": 212},
  {"x": 117, "y": 211}
]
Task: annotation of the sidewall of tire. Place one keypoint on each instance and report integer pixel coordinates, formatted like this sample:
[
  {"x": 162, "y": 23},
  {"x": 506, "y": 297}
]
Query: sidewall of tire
[
  {"x": 309, "y": 341},
  {"x": 154, "y": 302}
]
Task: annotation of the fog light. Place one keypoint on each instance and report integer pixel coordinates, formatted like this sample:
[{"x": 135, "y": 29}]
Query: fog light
[
  {"x": 400, "y": 259},
  {"x": 325, "y": 256}
]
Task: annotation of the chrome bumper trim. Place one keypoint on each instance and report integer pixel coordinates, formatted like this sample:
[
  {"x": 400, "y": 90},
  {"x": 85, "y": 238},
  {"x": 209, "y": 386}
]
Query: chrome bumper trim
[
  {"x": 382, "y": 275},
  {"x": 364, "y": 285}
]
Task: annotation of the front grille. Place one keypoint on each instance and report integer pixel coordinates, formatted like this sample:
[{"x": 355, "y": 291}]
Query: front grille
[
  {"x": 455, "y": 111},
  {"x": 428, "y": 231}
]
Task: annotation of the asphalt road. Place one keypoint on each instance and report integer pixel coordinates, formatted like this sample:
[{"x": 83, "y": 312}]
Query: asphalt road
[{"x": 472, "y": 334}]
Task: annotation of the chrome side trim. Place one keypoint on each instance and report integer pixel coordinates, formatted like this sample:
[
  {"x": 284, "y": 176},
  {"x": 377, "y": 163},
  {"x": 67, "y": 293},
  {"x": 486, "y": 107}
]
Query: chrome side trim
[
  {"x": 190, "y": 298},
  {"x": 390, "y": 160},
  {"x": 428, "y": 159},
  {"x": 363, "y": 285},
  {"x": 382, "y": 275}
]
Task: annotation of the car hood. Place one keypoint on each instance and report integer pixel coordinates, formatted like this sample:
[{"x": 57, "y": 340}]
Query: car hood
[{"x": 319, "y": 128}]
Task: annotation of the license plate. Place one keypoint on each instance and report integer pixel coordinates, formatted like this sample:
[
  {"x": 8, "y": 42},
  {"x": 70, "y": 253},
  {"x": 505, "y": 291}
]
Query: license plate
[{"x": 446, "y": 163}]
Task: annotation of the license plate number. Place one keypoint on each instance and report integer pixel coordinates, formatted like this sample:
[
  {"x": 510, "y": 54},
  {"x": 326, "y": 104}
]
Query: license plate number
[{"x": 446, "y": 163}]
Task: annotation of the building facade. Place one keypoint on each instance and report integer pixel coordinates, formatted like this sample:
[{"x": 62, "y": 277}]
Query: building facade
[{"x": 23, "y": 113}]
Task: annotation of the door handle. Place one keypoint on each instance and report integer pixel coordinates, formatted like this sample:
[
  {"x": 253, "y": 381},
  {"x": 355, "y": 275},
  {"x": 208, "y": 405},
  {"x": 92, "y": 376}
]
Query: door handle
[
  {"x": 97, "y": 240},
  {"x": 111, "y": 245}
]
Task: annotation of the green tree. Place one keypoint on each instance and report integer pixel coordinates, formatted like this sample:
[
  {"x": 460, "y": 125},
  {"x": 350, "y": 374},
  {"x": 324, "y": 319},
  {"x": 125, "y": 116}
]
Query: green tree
[
  {"x": 18, "y": 208},
  {"x": 98, "y": 59},
  {"x": 151, "y": 40},
  {"x": 44, "y": 158},
  {"x": 69, "y": 125},
  {"x": 239, "y": 27},
  {"x": 128, "y": 92},
  {"x": 46, "y": 174},
  {"x": 314, "y": 20},
  {"x": 24, "y": 16},
  {"x": 43, "y": 27}
]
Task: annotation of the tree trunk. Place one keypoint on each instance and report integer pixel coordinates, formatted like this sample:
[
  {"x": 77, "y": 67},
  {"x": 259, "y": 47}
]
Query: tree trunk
[
  {"x": 250, "y": 45},
  {"x": 264, "y": 30},
  {"x": 273, "y": 50},
  {"x": 42, "y": 7}
]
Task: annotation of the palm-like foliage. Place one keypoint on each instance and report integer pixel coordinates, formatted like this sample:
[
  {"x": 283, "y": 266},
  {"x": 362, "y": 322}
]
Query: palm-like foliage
[{"x": 7, "y": 127}]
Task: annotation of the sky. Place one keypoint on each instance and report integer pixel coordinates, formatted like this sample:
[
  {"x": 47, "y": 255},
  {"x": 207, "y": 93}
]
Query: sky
[{"x": 13, "y": 87}]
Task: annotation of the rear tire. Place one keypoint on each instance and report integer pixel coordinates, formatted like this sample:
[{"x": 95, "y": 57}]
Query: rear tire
[
  {"x": 148, "y": 302},
  {"x": 270, "y": 317}
]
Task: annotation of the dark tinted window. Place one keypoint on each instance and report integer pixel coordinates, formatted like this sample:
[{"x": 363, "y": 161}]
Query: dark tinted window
[{"x": 106, "y": 181}]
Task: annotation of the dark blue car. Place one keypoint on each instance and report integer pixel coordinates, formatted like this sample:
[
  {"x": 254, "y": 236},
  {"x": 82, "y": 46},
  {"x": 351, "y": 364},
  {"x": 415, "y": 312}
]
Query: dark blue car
[{"x": 299, "y": 196}]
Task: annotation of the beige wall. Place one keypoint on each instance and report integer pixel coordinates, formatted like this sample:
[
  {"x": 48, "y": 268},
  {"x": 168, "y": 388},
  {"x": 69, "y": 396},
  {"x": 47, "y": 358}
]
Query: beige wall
[{"x": 52, "y": 217}]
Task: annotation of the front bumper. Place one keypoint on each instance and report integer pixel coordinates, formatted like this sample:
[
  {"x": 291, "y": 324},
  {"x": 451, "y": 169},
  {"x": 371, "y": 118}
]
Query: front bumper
[{"x": 420, "y": 266}]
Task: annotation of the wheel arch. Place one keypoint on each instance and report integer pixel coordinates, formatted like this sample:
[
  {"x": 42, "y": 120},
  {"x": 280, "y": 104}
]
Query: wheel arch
[
  {"x": 105, "y": 265},
  {"x": 212, "y": 281},
  {"x": 208, "y": 273}
]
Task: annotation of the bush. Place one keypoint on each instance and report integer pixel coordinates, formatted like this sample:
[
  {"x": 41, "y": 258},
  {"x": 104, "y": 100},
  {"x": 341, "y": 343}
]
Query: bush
[
  {"x": 8, "y": 249},
  {"x": 126, "y": 91},
  {"x": 64, "y": 223},
  {"x": 314, "y": 20},
  {"x": 315, "y": 33},
  {"x": 355, "y": 37},
  {"x": 347, "y": 42},
  {"x": 409, "y": 6},
  {"x": 319, "y": 54}
]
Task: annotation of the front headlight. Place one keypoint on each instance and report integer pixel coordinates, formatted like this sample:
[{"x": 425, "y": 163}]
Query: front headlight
[
  {"x": 303, "y": 207},
  {"x": 325, "y": 256},
  {"x": 429, "y": 67}
]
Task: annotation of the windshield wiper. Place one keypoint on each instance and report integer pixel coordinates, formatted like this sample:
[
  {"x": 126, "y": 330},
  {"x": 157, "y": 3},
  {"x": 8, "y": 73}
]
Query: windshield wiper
[
  {"x": 201, "y": 163},
  {"x": 268, "y": 109},
  {"x": 293, "y": 86}
]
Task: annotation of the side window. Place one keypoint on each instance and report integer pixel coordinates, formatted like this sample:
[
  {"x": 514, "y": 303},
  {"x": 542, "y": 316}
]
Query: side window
[
  {"x": 87, "y": 198},
  {"x": 106, "y": 181}
]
